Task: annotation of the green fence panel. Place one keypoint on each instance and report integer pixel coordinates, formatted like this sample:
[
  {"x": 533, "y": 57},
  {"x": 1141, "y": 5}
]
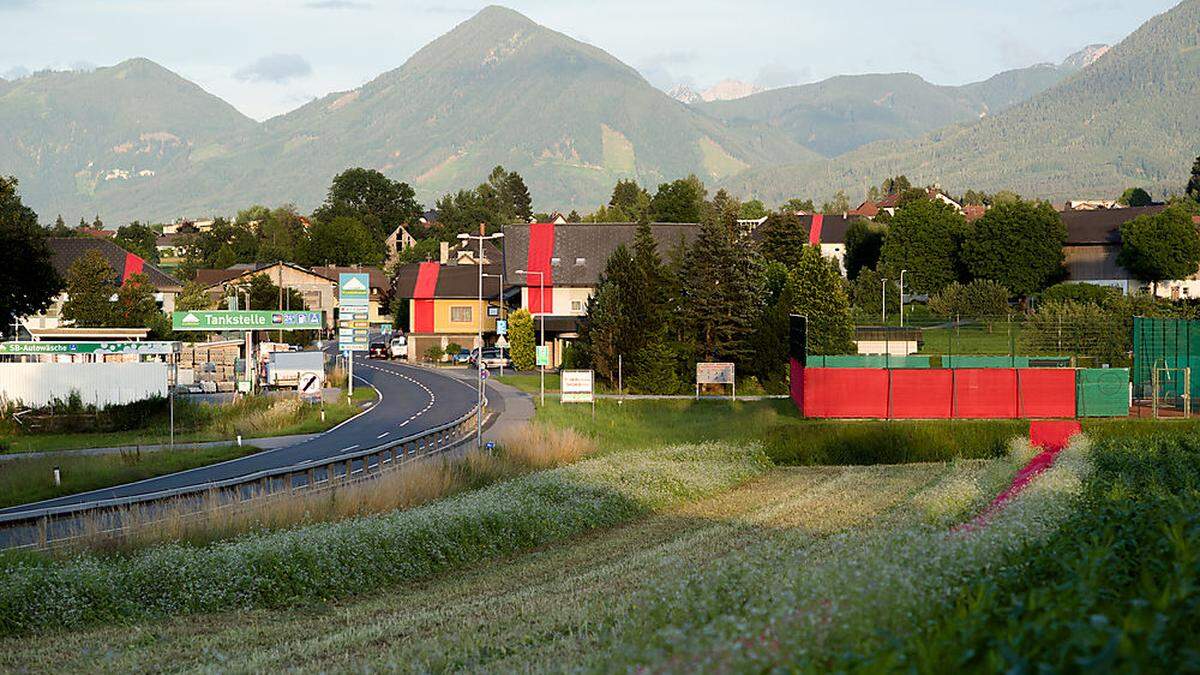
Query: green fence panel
[
  {"x": 868, "y": 361},
  {"x": 1165, "y": 344},
  {"x": 1102, "y": 392},
  {"x": 967, "y": 361}
]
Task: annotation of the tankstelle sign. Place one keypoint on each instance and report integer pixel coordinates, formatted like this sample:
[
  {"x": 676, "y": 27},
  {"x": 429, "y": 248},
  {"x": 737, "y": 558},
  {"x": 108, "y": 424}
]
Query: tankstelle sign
[{"x": 218, "y": 320}]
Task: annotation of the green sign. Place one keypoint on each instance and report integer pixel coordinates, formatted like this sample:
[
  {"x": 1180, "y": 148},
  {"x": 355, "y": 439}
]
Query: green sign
[
  {"x": 543, "y": 355},
  {"x": 354, "y": 298},
  {"x": 218, "y": 320},
  {"x": 88, "y": 347}
]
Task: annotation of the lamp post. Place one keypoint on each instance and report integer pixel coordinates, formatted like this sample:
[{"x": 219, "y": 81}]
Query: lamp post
[
  {"x": 481, "y": 237},
  {"x": 883, "y": 310},
  {"x": 902, "y": 272},
  {"x": 500, "y": 278},
  {"x": 542, "y": 313}
]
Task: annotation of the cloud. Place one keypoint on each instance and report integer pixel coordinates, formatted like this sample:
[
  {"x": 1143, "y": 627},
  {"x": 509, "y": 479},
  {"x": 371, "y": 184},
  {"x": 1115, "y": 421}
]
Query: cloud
[
  {"x": 657, "y": 68},
  {"x": 15, "y": 73},
  {"x": 780, "y": 75},
  {"x": 277, "y": 68},
  {"x": 337, "y": 4}
]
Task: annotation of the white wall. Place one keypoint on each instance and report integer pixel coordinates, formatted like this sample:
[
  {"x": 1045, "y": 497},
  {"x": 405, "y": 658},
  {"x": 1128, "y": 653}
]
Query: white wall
[{"x": 101, "y": 384}]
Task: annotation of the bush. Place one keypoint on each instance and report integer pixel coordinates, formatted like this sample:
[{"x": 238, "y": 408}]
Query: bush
[
  {"x": 434, "y": 354},
  {"x": 453, "y": 349},
  {"x": 1081, "y": 293},
  {"x": 865, "y": 443}
]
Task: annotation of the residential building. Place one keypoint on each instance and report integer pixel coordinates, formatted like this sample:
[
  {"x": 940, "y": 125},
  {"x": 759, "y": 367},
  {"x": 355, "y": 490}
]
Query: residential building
[
  {"x": 318, "y": 291},
  {"x": 1094, "y": 242},
  {"x": 565, "y": 261},
  {"x": 399, "y": 240},
  {"x": 66, "y": 250},
  {"x": 443, "y": 305},
  {"x": 173, "y": 248}
]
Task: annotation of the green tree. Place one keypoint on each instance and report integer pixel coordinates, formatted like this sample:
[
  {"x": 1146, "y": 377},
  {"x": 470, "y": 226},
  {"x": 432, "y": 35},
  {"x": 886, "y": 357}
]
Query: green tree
[
  {"x": 59, "y": 229},
  {"x": 975, "y": 198},
  {"x": 1018, "y": 244},
  {"x": 520, "y": 337},
  {"x": 896, "y": 185},
  {"x": 631, "y": 200},
  {"x": 1193, "y": 186},
  {"x": 91, "y": 284},
  {"x": 768, "y": 362},
  {"x": 1161, "y": 246},
  {"x": 924, "y": 238},
  {"x": 28, "y": 281},
  {"x": 264, "y": 294},
  {"x": 281, "y": 235},
  {"x": 138, "y": 239},
  {"x": 722, "y": 290},
  {"x": 517, "y": 195},
  {"x": 1135, "y": 196},
  {"x": 752, "y": 210},
  {"x": 798, "y": 206},
  {"x": 864, "y": 241},
  {"x": 986, "y": 299},
  {"x": 840, "y": 203},
  {"x": 378, "y": 202},
  {"x": 784, "y": 238},
  {"x": 817, "y": 291},
  {"x": 342, "y": 241},
  {"x": 135, "y": 306},
  {"x": 193, "y": 296},
  {"x": 867, "y": 295},
  {"x": 680, "y": 201}
]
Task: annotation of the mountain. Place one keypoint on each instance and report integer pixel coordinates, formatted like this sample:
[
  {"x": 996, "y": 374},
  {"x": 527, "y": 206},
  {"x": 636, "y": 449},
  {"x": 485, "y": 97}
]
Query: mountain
[
  {"x": 76, "y": 138},
  {"x": 684, "y": 94},
  {"x": 1129, "y": 118},
  {"x": 497, "y": 89},
  {"x": 839, "y": 114},
  {"x": 729, "y": 90},
  {"x": 1086, "y": 57}
]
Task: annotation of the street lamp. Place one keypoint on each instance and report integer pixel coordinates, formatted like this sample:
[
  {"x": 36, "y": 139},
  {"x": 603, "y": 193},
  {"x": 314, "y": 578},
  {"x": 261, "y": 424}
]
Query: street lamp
[
  {"x": 481, "y": 237},
  {"x": 542, "y": 303},
  {"x": 902, "y": 272},
  {"x": 883, "y": 319},
  {"x": 500, "y": 278}
]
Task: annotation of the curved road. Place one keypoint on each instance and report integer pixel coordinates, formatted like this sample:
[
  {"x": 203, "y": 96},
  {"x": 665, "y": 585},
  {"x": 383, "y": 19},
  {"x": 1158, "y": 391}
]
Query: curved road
[{"x": 412, "y": 400}]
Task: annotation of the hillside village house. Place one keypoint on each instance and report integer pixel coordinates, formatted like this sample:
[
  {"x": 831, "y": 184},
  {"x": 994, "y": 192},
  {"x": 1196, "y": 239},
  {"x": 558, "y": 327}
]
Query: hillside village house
[{"x": 66, "y": 250}]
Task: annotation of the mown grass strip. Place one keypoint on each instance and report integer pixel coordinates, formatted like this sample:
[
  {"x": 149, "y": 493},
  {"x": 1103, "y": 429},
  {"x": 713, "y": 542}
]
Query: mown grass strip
[{"x": 335, "y": 560}]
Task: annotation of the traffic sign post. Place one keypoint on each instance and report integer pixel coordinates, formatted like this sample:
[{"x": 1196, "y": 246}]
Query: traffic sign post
[{"x": 354, "y": 328}]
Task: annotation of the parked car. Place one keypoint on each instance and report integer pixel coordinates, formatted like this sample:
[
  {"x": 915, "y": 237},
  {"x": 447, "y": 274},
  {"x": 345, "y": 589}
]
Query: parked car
[
  {"x": 491, "y": 358},
  {"x": 398, "y": 347},
  {"x": 463, "y": 357},
  {"x": 378, "y": 350}
]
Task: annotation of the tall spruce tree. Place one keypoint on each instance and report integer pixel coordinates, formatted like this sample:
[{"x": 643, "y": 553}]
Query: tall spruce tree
[
  {"x": 721, "y": 289},
  {"x": 1193, "y": 186},
  {"x": 783, "y": 238},
  {"x": 606, "y": 333}
]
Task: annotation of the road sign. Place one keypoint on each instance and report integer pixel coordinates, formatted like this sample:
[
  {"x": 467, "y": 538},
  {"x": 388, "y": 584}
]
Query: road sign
[
  {"x": 485, "y": 374},
  {"x": 501, "y": 343},
  {"x": 385, "y": 328},
  {"x": 246, "y": 320},
  {"x": 577, "y": 386},
  {"x": 354, "y": 297},
  {"x": 309, "y": 385},
  {"x": 543, "y": 355},
  {"x": 89, "y": 347},
  {"x": 501, "y": 327}
]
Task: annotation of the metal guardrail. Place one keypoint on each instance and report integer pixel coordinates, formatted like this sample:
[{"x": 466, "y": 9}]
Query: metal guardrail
[{"x": 45, "y": 527}]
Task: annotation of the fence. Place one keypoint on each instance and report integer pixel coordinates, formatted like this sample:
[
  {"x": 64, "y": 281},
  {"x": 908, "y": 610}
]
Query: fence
[
  {"x": 43, "y": 528},
  {"x": 1166, "y": 362},
  {"x": 98, "y": 384}
]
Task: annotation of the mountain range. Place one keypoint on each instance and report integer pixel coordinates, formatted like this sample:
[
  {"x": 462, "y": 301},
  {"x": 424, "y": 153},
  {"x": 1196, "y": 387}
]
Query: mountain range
[{"x": 137, "y": 141}]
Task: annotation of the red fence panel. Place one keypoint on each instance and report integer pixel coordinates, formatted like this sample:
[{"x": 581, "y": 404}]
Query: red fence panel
[
  {"x": 1046, "y": 392},
  {"x": 846, "y": 392},
  {"x": 921, "y": 394},
  {"x": 985, "y": 393}
]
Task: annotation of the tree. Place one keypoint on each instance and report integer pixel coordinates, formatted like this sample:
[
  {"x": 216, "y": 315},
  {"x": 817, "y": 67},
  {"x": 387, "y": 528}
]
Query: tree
[
  {"x": 795, "y": 206},
  {"x": 193, "y": 297},
  {"x": 1161, "y": 246},
  {"x": 1135, "y": 196},
  {"x": 979, "y": 299},
  {"x": 91, "y": 284},
  {"x": 631, "y": 200},
  {"x": 817, "y": 291},
  {"x": 680, "y": 201},
  {"x": 97, "y": 224},
  {"x": 896, "y": 185},
  {"x": 28, "y": 281},
  {"x": 975, "y": 198},
  {"x": 864, "y": 241},
  {"x": 135, "y": 306},
  {"x": 518, "y": 196},
  {"x": 607, "y": 330},
  {"x": 138, "y": 239},
  {"x": 377, "y": 201},
  {"x": 752, "y": 210},
  {"x": 60, "y": 228},
  {"x": 722, "y": 290},
  {"x": 1018, "y": 244},
  {"x": 867, "y": 293},
  {"x": 264, "y": 294},
  {"x": 342, "y": 241},
  {"x": 784, "y": 239},
  {"x": 768, "y": 362},
  {"x": 281, "y": 235},
  {"x": 1193, "y": 186},
  {"x": 520, "y": 337},
  {"x": 1079, "y": 292},
  {"x": 924, "y": 238},
  {"x": 840, "y": 203}
]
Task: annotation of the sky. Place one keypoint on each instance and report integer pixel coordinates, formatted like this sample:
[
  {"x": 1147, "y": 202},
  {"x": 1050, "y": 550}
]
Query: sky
[{"x": 267, "y": 57}]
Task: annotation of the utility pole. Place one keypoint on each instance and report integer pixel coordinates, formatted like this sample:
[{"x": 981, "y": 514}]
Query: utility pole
[{"x": 481, "y": 237}]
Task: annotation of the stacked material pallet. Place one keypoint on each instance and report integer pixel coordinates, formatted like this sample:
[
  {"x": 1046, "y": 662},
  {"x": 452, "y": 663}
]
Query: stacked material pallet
[{"x": 213, "y": 364}]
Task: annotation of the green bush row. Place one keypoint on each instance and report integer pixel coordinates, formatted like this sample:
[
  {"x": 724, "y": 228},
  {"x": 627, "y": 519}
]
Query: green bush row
[
  {"x": 332, "y": 560},
  {"x": 878, "y": 442}
]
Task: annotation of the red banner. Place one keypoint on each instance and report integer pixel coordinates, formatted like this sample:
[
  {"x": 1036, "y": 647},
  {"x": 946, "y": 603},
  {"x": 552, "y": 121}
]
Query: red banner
[
  {"x": 856, "y": 393},
  {"x": 921, "y": 394},
  {"x": 814, "y": 232},
  {"x": 985, "y": 393},
  {"x": 1046, "y": 392},
  {"x": 423, "y": 294}
]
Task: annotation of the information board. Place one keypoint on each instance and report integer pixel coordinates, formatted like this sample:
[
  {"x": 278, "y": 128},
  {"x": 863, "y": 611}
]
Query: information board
[
  {"x": 714, "y": 373},
  {"x": 89, "y": 347},
  {"x": 577, "y": 386},
  {"x": 354, "y": 297},
  {"x": 246, "y": 320},
  {"x": 543, "y": 355}
]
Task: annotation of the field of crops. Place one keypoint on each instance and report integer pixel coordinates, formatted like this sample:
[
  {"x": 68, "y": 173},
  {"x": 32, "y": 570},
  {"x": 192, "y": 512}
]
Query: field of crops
[{"x": 699, "y": 558}]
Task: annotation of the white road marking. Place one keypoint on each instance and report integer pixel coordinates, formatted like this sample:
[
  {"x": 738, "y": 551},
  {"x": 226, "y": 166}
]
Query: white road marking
[
  {"x": 383, "y": 434},
  {"x": 349, "y": 448}
]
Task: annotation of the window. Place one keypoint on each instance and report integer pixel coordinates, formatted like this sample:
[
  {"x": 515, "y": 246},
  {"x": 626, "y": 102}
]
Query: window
[
  {"x": 555, "y": 261},
  {"x": 576, "y": 305},
  {"x": 460, "y": 314},
  {"x": 580, "y": 262}
]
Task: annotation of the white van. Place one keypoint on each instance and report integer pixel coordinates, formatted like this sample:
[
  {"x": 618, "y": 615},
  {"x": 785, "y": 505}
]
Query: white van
[{"x": 398, "y": 349}]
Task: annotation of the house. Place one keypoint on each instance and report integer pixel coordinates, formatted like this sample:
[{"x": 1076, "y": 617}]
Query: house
[
  {"x": 318, "y": 291},
  {"x": 172, "y": 248},
  {"x": 399, "y": 240},
  {"x": 562, "y": 264},
  {"x": 890, "y": 202},
  {"x": 443, "y": 305},
  {"x": 1094, "y": 242},
  {"x": 378, "y": 309},
  {"x": 828, "y": 232},
  {"x": 973, "y": 212},
  {"x": 188, "y": 225},
  {"x": 66, "y": 250}
]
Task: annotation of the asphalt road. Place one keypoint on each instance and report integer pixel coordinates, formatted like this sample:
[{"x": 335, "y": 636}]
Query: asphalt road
[{"x": 412, "y": 400}]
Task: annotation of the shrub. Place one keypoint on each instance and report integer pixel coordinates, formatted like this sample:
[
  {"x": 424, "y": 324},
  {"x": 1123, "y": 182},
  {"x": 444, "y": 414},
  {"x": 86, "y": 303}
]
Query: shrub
[
  {"x": 453, "y": 349},
  {"x": 865, "y": 443},
  {"x": 1081, "y": 293},
  {"x": 434, "y": 354}
]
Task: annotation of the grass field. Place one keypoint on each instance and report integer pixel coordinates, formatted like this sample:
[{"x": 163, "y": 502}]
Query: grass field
[
  {"x": 29, "y": 480},
  {"x": 555, "y": 609},
  {"x": 202, "y": 423},
  {"x": 973, "y": 339}
]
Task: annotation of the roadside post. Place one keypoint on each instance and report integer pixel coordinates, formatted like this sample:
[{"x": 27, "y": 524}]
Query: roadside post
[
  {"x": 354, "y": 334},
  {"x": 543, "y": 360},
  {"x": 502, "y": 341}
]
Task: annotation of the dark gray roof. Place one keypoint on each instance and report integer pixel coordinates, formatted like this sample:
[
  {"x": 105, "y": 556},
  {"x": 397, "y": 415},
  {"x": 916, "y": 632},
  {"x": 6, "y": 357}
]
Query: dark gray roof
[
  {"x": 1102, "y": 226},
  {"x": 66, "y": 250},
  {"x": 453, "y": 281},
  {"x": 582, "y": 249}
]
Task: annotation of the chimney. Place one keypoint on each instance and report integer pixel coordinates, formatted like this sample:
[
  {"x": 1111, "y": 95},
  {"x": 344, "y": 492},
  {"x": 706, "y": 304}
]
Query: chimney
[{"x": 445, "y": 253}]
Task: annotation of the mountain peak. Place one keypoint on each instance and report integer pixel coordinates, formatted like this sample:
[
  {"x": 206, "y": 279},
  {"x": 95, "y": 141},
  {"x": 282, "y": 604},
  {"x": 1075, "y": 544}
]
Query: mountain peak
[
  {"x": 1085, "y": 57},
  {"x": 499, "y": 17}
]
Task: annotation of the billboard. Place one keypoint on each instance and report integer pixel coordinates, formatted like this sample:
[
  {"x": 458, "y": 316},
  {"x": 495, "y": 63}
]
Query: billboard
[
  {"x": 577, "y": 386},
  {"x": 246, "y": 320},
  {"x": 714, "y": 373},
  {"x": 89, "y": 347}
]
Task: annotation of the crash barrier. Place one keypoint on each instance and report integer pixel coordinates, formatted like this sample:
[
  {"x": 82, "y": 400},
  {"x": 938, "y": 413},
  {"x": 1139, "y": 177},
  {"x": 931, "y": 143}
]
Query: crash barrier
[
  {"x": 59, "y": 525},
  {"x": 967, "y": 393}
]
